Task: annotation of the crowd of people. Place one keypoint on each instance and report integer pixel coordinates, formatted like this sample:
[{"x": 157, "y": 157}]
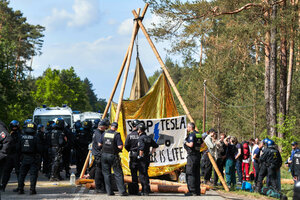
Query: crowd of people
[
  {"x": 54, "y": 148},
  {"x": 236, "y": 157}
]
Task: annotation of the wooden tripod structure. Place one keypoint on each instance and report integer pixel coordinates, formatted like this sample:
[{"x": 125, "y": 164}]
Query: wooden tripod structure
[{"x": 126, "y": 63}]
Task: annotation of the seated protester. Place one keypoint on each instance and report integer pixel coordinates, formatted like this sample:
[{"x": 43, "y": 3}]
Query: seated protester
[{"x": 230, "y": 160}]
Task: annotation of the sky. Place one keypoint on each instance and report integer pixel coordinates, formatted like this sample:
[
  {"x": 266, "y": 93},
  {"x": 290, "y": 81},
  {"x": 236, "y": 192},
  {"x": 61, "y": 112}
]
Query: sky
[{"x": 92, "y": 36}]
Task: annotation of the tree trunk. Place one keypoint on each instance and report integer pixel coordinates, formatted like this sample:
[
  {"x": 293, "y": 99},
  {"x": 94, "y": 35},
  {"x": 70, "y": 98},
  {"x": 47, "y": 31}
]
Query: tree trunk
[
  {"x": 291, "y": 56},
  {"x": 267, "y": 74},
  {"x": 283, "y": 72},
  {"x": 273, "y": 73}
]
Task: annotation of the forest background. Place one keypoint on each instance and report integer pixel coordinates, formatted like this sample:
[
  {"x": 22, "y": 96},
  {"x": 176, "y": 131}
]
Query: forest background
[{"x": 248, "y": 51}]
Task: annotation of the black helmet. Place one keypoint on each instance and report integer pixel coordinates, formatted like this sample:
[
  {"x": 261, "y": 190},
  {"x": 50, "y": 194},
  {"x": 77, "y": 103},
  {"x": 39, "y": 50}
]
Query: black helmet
[
  {"x": 87, "y": 124},
  {"x": 30, "y": 128},
  {"x": 49, "y": 125},
  {"x": 39, "y": 127},
  {"x": 135, "y": 123},
  {"x": 106, "y": 121},
  {"x": 142, "y": 127},
  {"x": 13, "y": 124},
  {"x": 115, "y": 124},
  {"x": 96, "y": 122},
  {"x": 60, "y": 123}
]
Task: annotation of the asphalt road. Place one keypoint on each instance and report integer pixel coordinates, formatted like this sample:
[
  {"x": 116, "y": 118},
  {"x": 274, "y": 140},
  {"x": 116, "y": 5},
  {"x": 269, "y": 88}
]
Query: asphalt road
[{"x": 63, "y": 190}]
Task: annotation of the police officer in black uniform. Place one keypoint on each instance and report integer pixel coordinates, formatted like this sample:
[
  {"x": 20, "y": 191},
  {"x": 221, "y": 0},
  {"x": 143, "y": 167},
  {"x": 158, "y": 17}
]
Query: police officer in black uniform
[
  {"x": 30, "y": 149},
  {"x": 41, "y": 138},
  {"x": 96, "y": 124},
  {"x": 112, "y": 145},
  {"x": 58, "y": 143},
  {"x": 5, "y": 142},
  {"x": 295, "y": 166},
  {"x": 67, "y": 150},
  {"x": 46, "y": 155},
  {"x": 131, "y": 145},
  {"x": 97, "y": 151},
  {"x": 144, "y": 144},
  {"x": 270, "y": 162},
  {"x": 83, "y": 139},
  {"x": 13, "y": 157},
  {"x": 193, "y": 144}
]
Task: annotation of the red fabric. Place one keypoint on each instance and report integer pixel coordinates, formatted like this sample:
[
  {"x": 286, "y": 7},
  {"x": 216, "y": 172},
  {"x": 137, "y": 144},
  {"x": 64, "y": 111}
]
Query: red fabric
[
  {"x": 246, "y": 151},
  {"x": 245, "y": 171}
]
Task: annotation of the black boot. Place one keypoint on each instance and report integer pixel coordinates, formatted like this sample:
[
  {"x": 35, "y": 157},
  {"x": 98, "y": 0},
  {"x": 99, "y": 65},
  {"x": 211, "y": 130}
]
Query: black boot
[
  {"x": 2, "y": 188},
  {"x": 32, "y": 191}
]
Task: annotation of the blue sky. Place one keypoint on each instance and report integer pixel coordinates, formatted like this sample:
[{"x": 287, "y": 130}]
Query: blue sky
[{"x": 92, "y": 36}]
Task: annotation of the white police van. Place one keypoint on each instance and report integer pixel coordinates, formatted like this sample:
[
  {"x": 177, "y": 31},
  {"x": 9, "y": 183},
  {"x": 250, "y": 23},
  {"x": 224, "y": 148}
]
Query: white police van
[
  {"x": 42, "y": 115},
  {"x": 91, "y": 116}
]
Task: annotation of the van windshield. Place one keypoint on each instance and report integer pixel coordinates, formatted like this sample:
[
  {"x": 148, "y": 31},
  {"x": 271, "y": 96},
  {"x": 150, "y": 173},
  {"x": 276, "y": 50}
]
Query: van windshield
[{"x": 43, "y": 119}]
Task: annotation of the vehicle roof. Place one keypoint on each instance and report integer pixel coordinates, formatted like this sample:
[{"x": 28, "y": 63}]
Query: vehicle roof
[{"x": 53, "y": 111}]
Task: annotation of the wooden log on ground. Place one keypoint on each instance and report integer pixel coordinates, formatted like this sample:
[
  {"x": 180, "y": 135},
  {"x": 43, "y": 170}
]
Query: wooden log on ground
[{"x": 83, "y": 181}]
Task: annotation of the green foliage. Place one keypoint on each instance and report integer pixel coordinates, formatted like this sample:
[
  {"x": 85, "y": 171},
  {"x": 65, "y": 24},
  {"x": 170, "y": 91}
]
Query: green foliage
[{"x": 288, "y": 129}]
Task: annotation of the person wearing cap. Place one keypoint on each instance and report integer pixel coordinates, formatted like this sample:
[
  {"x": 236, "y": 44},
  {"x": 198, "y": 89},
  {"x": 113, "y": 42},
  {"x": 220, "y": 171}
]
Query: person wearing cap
[
  {"x": 131, "y": 145},
  {"x": 97, "y": 152},
  {"x": 295, "y": 166},
  {"x": 145, "y": 142},
  {"x": 112, "y": 145},
  {"x": 295, "y": 149},
  {"x": 193, "y": 144}
]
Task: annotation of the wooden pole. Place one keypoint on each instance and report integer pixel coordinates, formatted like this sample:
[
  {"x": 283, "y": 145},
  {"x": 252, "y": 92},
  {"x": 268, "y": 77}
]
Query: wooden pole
[
  {"x": 218, "y": 171},
  {"x": 204, "y": 106},
  {"x": 85, "y": 165},
  {"x": 121, "y": 70},
  {"x": 163, "y": 67},
  {"x": 177, "y": 92},
  {"x": 116, "y": 83},
  {"x": 126, "y": 71}
]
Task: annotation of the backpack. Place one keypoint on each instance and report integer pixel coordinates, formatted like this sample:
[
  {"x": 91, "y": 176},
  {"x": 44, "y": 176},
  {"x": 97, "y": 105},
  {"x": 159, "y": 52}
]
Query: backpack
[{"x": 245, "y": 150}]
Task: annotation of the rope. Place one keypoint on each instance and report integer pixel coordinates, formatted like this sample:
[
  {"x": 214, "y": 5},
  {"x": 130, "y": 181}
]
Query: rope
[{"x": 226, "y": 104}]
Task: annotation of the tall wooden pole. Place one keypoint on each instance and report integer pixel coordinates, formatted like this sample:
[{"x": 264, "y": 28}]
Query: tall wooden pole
[
  {"x": 204, "y": 106},
  {"x": 163, "y": 67},
  {"x": 126, "y": 70},
  {"x": 122, "y": 69},
  {"x": 177, "y": 93}
]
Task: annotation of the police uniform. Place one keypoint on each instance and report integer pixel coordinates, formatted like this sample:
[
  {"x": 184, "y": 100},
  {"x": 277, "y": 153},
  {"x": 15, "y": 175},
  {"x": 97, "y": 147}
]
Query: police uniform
[
  {"x": 5, "y": 142},
  {"x": 144, "y": 144},
  {"x": 193, "y": 162},
  {"x": 67, "y": 151},
  {"x": 270, "y": 162},
  {"x": 46, "y": 155},
  {"x": 30, "y": 149},
  {"x": 110, "y": 141},
  {"x": 295, "y": 166},
  {"x": 131, "y": 145},
  {"x": 13, "y": 157},
  {"x": 97, "y": 151},
  {"x": 58, "y": 143},
  {"x": 83, "y": 139}
]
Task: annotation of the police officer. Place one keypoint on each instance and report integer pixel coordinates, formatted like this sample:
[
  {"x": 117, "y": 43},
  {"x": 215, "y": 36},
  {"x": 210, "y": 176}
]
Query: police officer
[
  {"x": 111, "y": 147},
  {"x": 297, "y": 191},
  {"x": 96, "y": 124},
  {"x": 295, "y": 166},
  {"x": 25, "y": 124},
  {"x": 193, "y": 144},
  {"x": 144, "y": 144},
  {"x": 5, "y": 142},
  {"x": 83, "y": 139},
  {"x": 67, "y": 150},
  {"x": 47, "y": 150},
  {"x": 30, "y": 149},
  {"x": 97, "y": 151},
  {"x": 13, "y": 157},
  {"x": 58, "y": 142},
  {"x": 131, "y": 145},
  {"x": 41, "y": 139},
  {"x": 270, "y": 162}
]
